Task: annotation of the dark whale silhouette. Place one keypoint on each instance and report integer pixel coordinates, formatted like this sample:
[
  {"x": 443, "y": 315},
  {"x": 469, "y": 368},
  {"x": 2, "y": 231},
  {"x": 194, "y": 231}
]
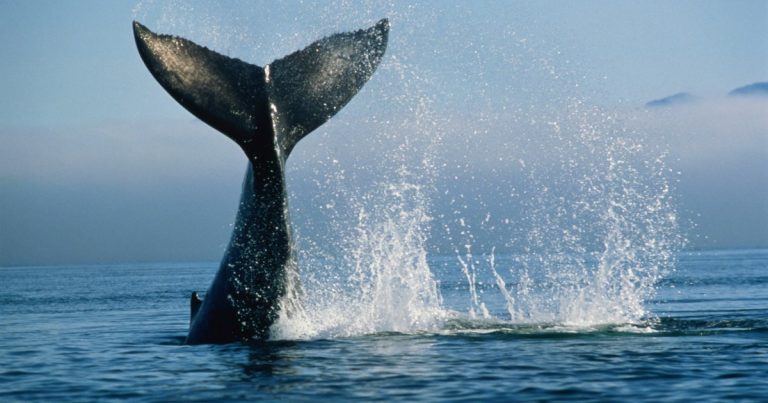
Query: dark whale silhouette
[{"x": 266, "y": 111}]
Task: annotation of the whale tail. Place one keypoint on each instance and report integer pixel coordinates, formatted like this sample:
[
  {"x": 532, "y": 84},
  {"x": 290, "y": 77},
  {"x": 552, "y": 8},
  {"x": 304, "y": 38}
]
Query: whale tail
[{"x": 258, "y": 107}]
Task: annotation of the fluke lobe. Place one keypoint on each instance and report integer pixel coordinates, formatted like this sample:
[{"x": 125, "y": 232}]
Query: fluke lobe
[{"x": 266, "y": 111}]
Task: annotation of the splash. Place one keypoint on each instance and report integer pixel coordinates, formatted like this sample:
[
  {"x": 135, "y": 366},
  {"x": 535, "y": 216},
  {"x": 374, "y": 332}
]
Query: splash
[
  {"x": 473, "y": 144},
  {"x": 599, "y": 227},
  {"x": 373, "y": 276},
  {"x": 382, "y": 283}
]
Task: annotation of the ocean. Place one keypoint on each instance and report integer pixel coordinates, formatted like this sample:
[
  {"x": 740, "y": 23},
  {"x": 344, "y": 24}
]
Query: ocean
[{"x": 116, "y": 332}]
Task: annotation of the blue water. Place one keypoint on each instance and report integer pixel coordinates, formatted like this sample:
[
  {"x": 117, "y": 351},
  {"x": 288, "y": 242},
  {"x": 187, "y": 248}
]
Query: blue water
[{"x": 113, "y": 332}]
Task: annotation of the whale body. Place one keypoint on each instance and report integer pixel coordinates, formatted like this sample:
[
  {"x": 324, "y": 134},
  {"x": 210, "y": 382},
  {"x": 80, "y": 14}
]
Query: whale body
[{"x": 266, "y": 111}]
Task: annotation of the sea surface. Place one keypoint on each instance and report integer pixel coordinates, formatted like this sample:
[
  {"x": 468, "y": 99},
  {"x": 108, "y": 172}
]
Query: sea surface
[{"x": 115, "y": 332}]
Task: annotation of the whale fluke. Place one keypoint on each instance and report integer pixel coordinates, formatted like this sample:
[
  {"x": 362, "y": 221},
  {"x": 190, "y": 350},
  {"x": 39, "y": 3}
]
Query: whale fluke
[
  {"x": 309, "y": 86},
  {"x": 295, "y": 94},
  {"x": 266, "y": 111}
]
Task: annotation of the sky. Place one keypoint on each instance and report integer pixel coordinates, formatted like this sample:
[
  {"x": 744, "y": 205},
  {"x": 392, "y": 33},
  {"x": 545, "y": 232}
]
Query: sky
[{"x": 98, "y": 164}]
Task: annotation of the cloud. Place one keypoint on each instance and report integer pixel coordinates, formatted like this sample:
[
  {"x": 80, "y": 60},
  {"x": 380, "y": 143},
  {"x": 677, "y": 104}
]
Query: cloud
[
  {"x": 152, "y": 191},
  {"x": 167, "y": 190},
  {"x": 120, "y": 153},
  {"x": 720, "y": 148}
]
